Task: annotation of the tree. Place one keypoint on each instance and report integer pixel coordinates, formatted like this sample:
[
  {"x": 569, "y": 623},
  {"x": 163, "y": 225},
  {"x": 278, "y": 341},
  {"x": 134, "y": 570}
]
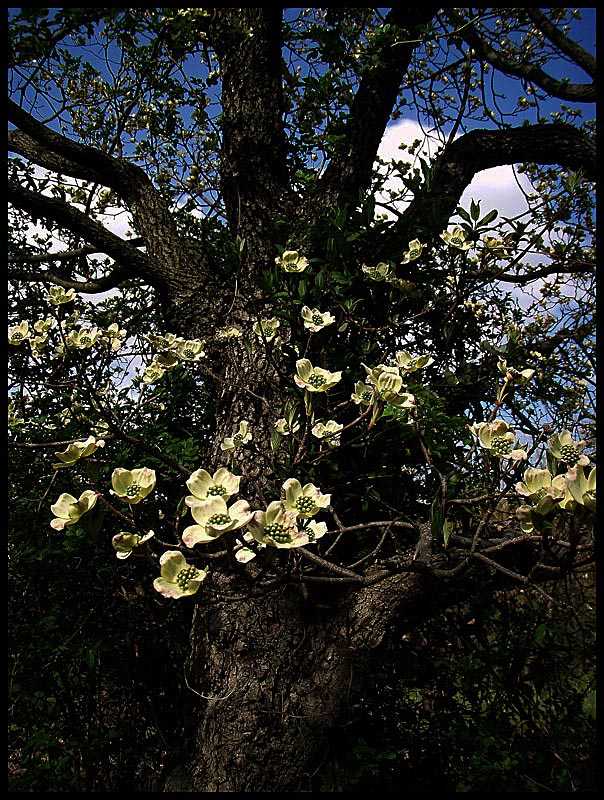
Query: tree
[{"x": 323, "y": 408}]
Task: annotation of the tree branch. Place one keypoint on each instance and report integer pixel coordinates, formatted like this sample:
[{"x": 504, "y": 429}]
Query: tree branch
[{"x": 582, "y": 93}]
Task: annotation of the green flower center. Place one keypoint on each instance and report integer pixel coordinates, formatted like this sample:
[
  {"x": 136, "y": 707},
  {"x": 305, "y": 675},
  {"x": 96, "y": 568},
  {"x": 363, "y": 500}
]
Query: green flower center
[
  {"x": 18, "y": 336},
  {"x": 367, "y": 396},
  {"x": 219, "y": 519},
  {"x": 317, "y": 319},
  {"x": 277, "y": 532},
  {"x": 456, "y": 241},
  {"x": 133, "y": 490},
  {"x": 237, "y": 438},
  {"x": 305, "y": 504},
  {"x": 501, "y": 446},
  {"x": 316, "y": 380},
  {"x": 163, "y": 343},
  {"x": 311, "y": 534},
  {"x": 569, "y": 454},
  {"x": 85, "y": 340},
  {"x": 216, "y": 489},
  {"x": 188, "y": 353},
  {"x": 414, "y": 253},
  {"x": 269, "y": 332},
  {"x": 185, "y": 576}
]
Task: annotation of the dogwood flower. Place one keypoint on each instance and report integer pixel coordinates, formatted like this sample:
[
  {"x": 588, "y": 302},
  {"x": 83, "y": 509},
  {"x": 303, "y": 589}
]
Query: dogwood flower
[
  {"x": 414, "y": 251},
  {"x": 328, "y": 431},
  {"x": 83, "y": 339},
  {"x": 314, "y": 379},
  {"x": 266, "y": 329},
  {"x": 314, "y": 530},
  {"x": 498, "y": 439},
  {"x": 229, "y": 333},
  {"x": 57, "y": 295},
  {"x": 165, "y": 341},
  {"x": 456, "y": 238},
  {"x": 222, "y": 483},
  {"x": 516, "y": 375},
  {"x": 582, "y": 489},
  {"x": 68, "y": 509},
  {"x": 284, "y": 427},
  {"x": 542, "y": 489},
  {"x": 178, "y": 577},
  {"x": 496, "y": 246},
  {"x": 77, "y": 450},
  {"x": 133, "y": 485},
  {"x": 114, "y": 335},
  {"x": 363, "y": 394},
  {"x": 305, "y": 501},
  {"x": 153, "y": 373},
  {"x": 213, "y": 518},
  {"x": 314, "y": 320},
  {"x": 243, "y": 436},
  {"x": 44, "y": 325},
  {"x": 190, "y": 350},
  {"x": 276, "y": 527},
  {"x": 408, "y": 363},
  {"x": 291, "y": 261},
  {"x": 19, "y": 333},
  {"x": 125, "y": 543},
  {"x": 378, "y": 273},
  {"x": 563, "y": 448}
]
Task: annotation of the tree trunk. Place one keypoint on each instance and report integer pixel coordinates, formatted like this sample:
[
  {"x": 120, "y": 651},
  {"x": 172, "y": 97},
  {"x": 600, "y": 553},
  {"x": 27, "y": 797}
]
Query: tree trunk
[{"x": 276, "y": 674}]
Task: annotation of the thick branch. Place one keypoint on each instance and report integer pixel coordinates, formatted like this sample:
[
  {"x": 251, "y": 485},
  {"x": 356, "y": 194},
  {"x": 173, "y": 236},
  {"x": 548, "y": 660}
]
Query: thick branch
[
  {"x": 351, "y": 170},
  {"x": 54, "y": 151},
  {"x": 38, "y": 205},
  {"x": 462, "y": 159}
]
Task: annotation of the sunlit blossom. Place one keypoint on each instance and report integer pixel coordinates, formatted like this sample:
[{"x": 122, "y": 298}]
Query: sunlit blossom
[
  {"x": 285, "y": 428},
  {"x": 542, "y": 489},
  {"x": 565, "y": 449},
  {"x": 305, "y": 501},
  {"x": 498, "y": 439},
  {"x": 133, "y": 485},
  {"x": 178, "y": 578},
  {"x": 291, "y": 261},
  {"x": 214, "y": 518},
  {"x": 516, "y": 375},
  {"x": 57, "y": 295},
  {"x": 125, "y": 543},
  {"x": 328, "y": 431},
  {"x": 378, "y": 273},
  {"x": 77, "y": 450},
  {"x": 68, "y": 509},
  {"x": 243, "y": 436},
  {"x": 222, "y": 483},
  {"x": 314, "y": 379},
  {"x": 414, "y": 252},
  {"x": 364, "y": 394},
  {"x": 277, "y": 527},
  {"x": 190, "y": 350},
  {"x": 582, "y": 488},
  {"x": 408, "y": 363},
  {"x": 457, "y": 238},
  {"x": 266, "y": 329},
  {"x": 19, "y": 333},
  {"x": 314, "y": 320}
]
